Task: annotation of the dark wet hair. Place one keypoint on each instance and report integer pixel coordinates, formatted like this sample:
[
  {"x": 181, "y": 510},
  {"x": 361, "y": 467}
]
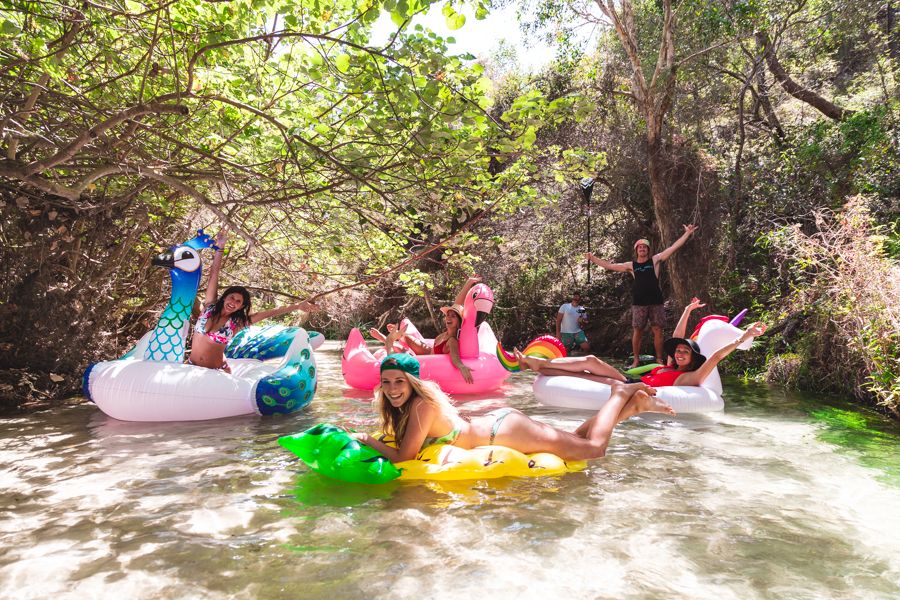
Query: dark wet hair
[{"x": 242, "y": 315}]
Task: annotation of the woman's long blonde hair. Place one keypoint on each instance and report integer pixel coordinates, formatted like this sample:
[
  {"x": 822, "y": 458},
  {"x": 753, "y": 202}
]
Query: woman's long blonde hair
[{"x": 394, "y": 420}]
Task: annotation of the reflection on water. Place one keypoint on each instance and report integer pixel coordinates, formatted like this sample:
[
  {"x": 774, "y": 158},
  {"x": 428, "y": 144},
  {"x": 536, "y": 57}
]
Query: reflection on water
[{"x": 781, "y": 496}]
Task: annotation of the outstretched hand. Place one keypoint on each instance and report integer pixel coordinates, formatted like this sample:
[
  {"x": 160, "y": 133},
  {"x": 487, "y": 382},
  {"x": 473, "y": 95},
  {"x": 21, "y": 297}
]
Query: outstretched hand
[
  {"x": 394, "y": 335},
  {"x": 473, "y": 280},
  {"x": 309, "y": 307},
  {"x": 695, "y": 304},
  {"x": 222, "y": 238},
  {"x": 689, "y": 229},
  {"x": 755, "y": 330},
  {"x": 588, "y": 255}
]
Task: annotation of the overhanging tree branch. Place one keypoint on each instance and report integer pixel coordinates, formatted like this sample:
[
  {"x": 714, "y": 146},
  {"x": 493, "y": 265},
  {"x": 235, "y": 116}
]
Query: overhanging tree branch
[
  {"x": 827, "y": 108},
  {"x": 89, "y": 135}
]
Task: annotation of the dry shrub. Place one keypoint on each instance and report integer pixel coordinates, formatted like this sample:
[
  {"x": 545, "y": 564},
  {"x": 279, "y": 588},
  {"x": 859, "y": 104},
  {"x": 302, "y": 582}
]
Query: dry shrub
[
  {"x": 785, "y": 369},
  {"x": 850, "y": 288}
]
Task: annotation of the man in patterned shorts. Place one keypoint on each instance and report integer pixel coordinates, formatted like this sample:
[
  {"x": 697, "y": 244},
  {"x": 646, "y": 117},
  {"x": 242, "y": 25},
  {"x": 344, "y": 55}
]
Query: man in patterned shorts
[{"x": 647, "y": 298}]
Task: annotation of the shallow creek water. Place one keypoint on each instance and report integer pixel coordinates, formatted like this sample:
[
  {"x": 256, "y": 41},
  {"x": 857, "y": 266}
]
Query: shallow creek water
[{"x": 780, "y": 496}]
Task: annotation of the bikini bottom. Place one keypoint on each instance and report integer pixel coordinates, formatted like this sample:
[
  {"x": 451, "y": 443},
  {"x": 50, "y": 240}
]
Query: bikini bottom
[{"x": 498, "y": 415}]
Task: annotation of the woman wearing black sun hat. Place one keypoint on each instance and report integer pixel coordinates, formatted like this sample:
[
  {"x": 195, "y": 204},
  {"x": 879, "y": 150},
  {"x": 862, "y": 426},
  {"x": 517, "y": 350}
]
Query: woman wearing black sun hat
[{"x": 686, "y": 366}]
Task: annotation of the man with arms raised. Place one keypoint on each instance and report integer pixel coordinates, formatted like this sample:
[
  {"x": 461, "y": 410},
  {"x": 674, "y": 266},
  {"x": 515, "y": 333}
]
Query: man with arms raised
[{"x": 647, "y": 297}]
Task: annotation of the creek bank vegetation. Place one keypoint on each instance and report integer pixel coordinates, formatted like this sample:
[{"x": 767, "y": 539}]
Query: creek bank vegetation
[{"x": 376, "y": 175}]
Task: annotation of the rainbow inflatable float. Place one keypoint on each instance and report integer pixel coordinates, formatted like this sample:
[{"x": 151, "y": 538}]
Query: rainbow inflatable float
[
  {"x": 476, "y": 349},
  {"x": 545, "y": 346},
  {"x": 152, "y": 383},
  {"x": 576, "y": 392}
]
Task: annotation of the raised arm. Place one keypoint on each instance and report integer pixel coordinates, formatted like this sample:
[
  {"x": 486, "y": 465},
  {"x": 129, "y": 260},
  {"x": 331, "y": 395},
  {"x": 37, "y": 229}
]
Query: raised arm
[
  {"x": 417, "y": 345},
  {"x": 395, "y": 334},
  {"x": 665, "y": 254},
  {"x": 212, "y": 286},
  {"x": 468, "y": 285},
  {"x": 622, "y": 267},
  {"x": 421, "y": 418},
  {"x": 697, "y": 377},
  {"x": 681, "y": 328},
  {"x": 414, "y": 343}
]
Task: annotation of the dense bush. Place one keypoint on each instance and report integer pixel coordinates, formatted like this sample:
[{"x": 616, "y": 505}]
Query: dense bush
[{"x": 845, "y": 289}]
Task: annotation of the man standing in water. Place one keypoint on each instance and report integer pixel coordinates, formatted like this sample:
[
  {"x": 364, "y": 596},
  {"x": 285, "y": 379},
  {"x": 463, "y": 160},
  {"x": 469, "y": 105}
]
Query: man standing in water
[
  {"x": 647, "y": 298},
  {"x": 569, "y": 320}
]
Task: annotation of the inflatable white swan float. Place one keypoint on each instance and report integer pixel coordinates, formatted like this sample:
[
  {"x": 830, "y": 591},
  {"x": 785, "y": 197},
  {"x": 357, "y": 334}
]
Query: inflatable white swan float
[
  {"x": 152, "y": 382},
  {"x": 576, "y": 392}
]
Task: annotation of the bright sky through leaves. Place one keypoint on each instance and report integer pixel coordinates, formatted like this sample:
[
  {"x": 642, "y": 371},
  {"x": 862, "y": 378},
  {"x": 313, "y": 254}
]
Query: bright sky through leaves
[{"x": 479, "y": 38}]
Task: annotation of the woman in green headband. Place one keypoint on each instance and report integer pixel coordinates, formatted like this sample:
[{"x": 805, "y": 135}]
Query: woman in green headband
[{"x": 417, "y": 413}]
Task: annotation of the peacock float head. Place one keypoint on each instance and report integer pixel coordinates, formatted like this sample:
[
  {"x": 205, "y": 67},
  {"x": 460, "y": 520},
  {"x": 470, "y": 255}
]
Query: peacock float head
[
  {"x": 185, "y": 269},
  {"x": 185, "y": 257}
]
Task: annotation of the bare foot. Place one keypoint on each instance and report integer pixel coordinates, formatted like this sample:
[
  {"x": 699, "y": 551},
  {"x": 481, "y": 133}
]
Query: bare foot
[
  {"x": 643, "y": 387},
  {"x": 645, "y": 403},
  {"x": 526, "y": 362},
  {"x": 521, "y": 358},
  {"x": 634, "y": 364},
  {"x": 632, "y": 388}
]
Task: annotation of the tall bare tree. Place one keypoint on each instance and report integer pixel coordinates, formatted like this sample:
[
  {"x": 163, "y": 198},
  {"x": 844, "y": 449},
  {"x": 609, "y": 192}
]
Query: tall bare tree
[{"x": 653, "y": 98}]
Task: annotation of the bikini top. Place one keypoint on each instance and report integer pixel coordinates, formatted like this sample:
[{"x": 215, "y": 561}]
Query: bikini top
[
  {"x": 223, "y": 335},
  {"x": 659, "y": 377},
  {"x": 442, "y": 347},
  {"x": 447, "y": 438}
]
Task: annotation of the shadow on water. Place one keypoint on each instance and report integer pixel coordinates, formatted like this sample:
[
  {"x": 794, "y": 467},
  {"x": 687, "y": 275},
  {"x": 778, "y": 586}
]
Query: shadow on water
[
  {"x": 312, "y": 489},
  {"x": 871, "y": 438}
]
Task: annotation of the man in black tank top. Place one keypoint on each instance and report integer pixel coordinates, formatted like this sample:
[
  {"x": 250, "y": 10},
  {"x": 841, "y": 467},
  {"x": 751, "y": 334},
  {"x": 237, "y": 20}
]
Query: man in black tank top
[{"x": 647, "y": 299}]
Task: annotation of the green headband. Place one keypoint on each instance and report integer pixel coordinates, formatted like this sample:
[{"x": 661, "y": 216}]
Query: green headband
[{"x": 401, "y": 361}]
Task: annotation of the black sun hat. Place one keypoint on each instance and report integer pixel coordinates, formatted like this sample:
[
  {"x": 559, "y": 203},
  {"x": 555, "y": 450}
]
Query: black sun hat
[{"x": 696, "y": 360}]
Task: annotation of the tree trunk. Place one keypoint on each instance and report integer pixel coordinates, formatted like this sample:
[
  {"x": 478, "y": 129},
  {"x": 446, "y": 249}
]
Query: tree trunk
[
  {"x": 766, "y": 105},
  {"x": 669, "y": 172},
  {"x": 673, "y": 180},
  {"x": 829, "y": 109}
]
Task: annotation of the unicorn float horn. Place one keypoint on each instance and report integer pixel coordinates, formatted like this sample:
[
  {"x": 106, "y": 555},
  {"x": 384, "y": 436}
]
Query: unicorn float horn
[
  {"x": 739, "y": 317},
  {"x": 545, "y": 346}
]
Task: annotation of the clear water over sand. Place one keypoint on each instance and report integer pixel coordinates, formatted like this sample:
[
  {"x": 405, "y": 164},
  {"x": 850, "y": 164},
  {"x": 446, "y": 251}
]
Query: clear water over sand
[{"x": 782, "y": 496}]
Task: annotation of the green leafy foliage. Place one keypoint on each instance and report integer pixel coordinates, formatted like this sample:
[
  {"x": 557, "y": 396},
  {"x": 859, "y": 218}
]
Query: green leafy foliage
[{"x": 332, "y": 161}]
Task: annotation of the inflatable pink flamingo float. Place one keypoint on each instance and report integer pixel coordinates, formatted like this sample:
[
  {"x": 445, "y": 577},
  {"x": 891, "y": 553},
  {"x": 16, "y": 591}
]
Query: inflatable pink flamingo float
[{"x": 477, "y": 349}]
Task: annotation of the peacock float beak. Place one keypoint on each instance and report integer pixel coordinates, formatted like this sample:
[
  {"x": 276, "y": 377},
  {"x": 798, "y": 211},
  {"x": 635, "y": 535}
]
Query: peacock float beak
[{"x": 166, "y": 259}]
